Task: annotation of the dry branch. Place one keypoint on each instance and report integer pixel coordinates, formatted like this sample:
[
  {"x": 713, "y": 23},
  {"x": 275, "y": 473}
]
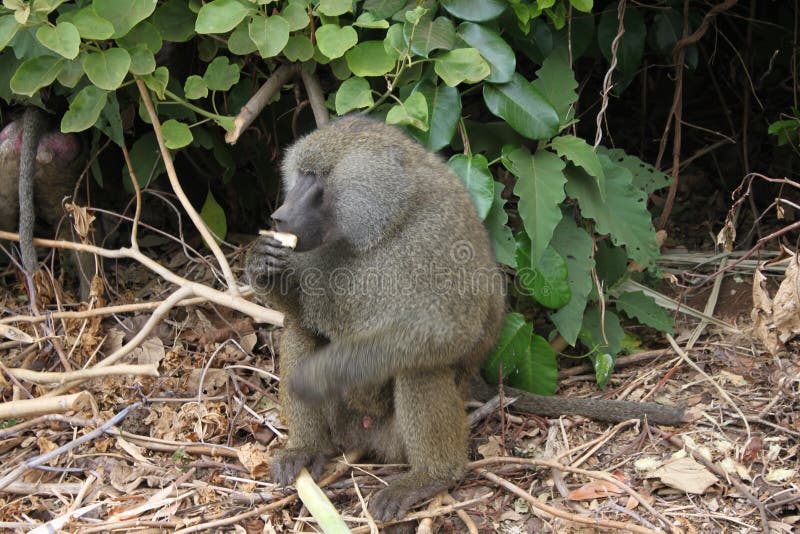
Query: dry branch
[{"x": 18, "y": 409}]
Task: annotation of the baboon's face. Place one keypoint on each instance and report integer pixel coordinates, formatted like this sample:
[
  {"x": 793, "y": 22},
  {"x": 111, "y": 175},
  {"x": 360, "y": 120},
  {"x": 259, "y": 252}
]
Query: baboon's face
[{"x": 307, "y": 213}]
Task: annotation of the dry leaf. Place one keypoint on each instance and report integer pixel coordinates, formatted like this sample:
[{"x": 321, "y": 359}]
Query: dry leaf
[
  {"x": 493, "y": 447},
  {"x": 780, "y": 475},
  {"x": 151, "y": 351},
  {"x": 255, "y": 459},
  {"x": 685, "y": 474},
  {"x": 15, "y": 334},
  {"x": 786, "y": 305},
  {"x": 762, "y": 314},
  {"x": 594, "y": 490}
]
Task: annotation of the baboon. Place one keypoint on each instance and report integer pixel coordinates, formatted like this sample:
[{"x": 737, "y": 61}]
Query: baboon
[{"x": 392, "y": 300}]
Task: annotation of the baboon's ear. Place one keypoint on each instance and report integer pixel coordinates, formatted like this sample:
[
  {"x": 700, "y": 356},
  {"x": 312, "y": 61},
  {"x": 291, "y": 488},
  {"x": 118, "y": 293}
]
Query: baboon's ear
[{"x": 368, "y": 203}]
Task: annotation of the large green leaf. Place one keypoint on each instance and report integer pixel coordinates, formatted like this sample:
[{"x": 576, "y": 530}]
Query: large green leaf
[
  {"x": 175, "y": 20},
  {"x": 90, "y": 25},
  {"x": 146, "y": 160},
  {"x": 214, "y": 217},
  {"x": 299, "y": 48},
  {"x": 63, "y": 39},
  {"x": 547, "y": 282},
  {"x": 575, "y": 244},
  {"x": 239, "y": 41},
  {"x": 556, "y": 81},
  {"x": 8, "y": 29},
  {"x": 84, "y": 110},
  {"x": 493, "y": 48},
  {"x": 581, "y": 154},
  {"x": 596, "y": 325},
  {"x": 107, "y": 68},
  {"x": 270, "y": 34},
  {"x": 221, "y": 16},
  {"x": 176, "y": 134},
  {"x": 540, "y": 188},
  {"x": 124, "y": 15},
  {"x": 645, "y": 177},
  {"x": 497, "y": 224},
  {"x": 354, "y": 93},
  {"x": 527, "y": 360},
  {"x": 412, "y": 112},
  {"x": 430, "y": 35},
  {"x": 334, "y": 8},
  {"x": 523, "y": 107},
  {"x": 474, "y": 173},
  {"x": 221, "y": 75},
  {"x": 383, "y": 9},
  {"x": 36, "y": 73},
  {"x": 461, "y": 65},
  {"x": 369, "y": 59},
  {"x": 644, "y": 309},
  {"x": 144, "y": 33},
  {"x": 623, "y": 213},
  {"x": 475, "y": 11},
  {"x": 444, "y": 105},
  {"x": 334, "y": 41}
]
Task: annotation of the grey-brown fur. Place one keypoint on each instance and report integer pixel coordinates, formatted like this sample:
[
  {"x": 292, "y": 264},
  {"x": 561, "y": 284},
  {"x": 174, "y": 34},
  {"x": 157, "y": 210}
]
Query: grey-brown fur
[{"x": 381, "y": 367}]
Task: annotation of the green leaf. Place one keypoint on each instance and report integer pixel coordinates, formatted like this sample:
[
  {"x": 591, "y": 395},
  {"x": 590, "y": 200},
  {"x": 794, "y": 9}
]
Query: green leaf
[
  {"x": 394, "y": 43},
  {"x": 444, "y": 103},
  {"x": 631, "y": 45},
  {"x": 354, "y": 93},
  {"x": 556, "y": 82},
  {"x": 195, "y": 87},
  {"x": 430, "y": 35},
  {"x": 298, "y": 48},
  {"x": 367, "y": 20},
  {"x": 413, "y": 112},
  {"x": 146, "y": 160},
  {"x": 645, "y": 177},
  {"x": 107, "y": 68},
  {"x": 84, "y": 110},
  {"x": 142, "y": 60},
  {"x": 594, "y": 324},
  {"x": 383, "y": 9},
  {"x": 176, "y": 134},
  {"x": 582, "y": 5},
  {"x": 547, "y": 282},
  {"x": 90, "y": 25},
  {"x": 221, "y": 16},
  {"x": 623, "y": 213},
  {"x": 221, "y": 75},
  {"x": 461, "y": 65},
  {"x": 63, "y": 39},
  {"x": 214, "y": 217},
  {"x": 612, "y": 263},
  {"x": 475, "y": 11},
  {"x": 270, "y": 34},
  {"x": 46, "y": 6},
  {"x": 527, "y": 360},
  {"x": 493, "y": 49},
  {"x": 603, "y": 366},
  {"x": 540, "y": 188},
  {"x": 157, "y": 81},
  {"x": 643, "y": 308},
  {"x": 474, "y": 173},
  {"x": 124, "y": 15},
  {"x": 175, "y": 21},
  {"x": 296, "y": 15},
  {"x": 239, "y": 41},
  {"x": 340, "y": 69},
  {"x": 580, "y": 153},
  {"x": 370, "y": 59},
  {"x": 334, "y": 8},
  {"x": 70, "y": 74},
  {"x": 499, "y": 232},
  {"x": 523, "y": 107},
  {"x": 8, "y": 29},
  {"x": 334, "y": 41},
  {"x": 144, "y": 33},
  {"x": 36, "y": 73},
  {"x": 576, "y": 245}
]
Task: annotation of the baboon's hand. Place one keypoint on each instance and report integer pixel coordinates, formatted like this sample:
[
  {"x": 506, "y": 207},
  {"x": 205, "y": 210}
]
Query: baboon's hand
[
  {"x": 267, "y": 260},
  {"x": 287, "y": 465},
  {"x": 307, "y": 384}
]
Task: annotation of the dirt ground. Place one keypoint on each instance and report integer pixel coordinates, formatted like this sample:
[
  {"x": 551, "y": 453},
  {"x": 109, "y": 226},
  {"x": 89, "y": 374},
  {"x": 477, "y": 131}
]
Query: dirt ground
[{"x": 188, "y": 450}]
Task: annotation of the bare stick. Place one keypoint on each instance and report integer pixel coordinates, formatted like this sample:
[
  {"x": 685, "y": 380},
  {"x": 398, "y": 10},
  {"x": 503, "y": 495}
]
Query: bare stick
[
  {"x": 211, "y": 243},
  {"x": 259, "y": 101},
  {"x": 43, "y": 458},
  {"x": 41, "y": 406},
  {"x": 316, "y": 98},
  {"x": 41, "y": 377}
]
